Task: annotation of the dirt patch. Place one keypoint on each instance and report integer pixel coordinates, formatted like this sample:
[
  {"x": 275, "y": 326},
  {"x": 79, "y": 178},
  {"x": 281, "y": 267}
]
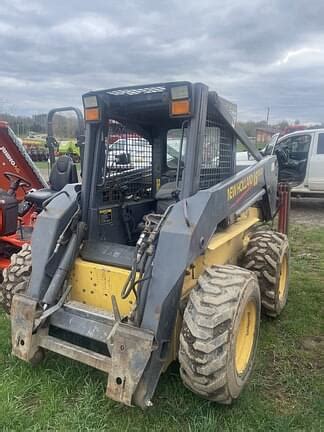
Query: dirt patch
[
  {"x": 313, "y": 350},
  {"x": 278, "y": 380},
  {"x": 307, "y": 211}
]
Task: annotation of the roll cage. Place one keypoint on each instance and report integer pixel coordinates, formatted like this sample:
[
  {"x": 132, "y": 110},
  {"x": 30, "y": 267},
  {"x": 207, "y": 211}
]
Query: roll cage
[{"x": 146, "y": 111}]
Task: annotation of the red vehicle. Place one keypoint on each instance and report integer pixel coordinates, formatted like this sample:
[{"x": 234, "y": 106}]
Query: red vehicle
[
  {"x": 23, "y": 194},
  {"x": 18, "y": 177},
  {"x": 292, "y": 128}
]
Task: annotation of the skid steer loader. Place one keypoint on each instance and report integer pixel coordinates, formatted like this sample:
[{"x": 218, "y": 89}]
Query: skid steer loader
[{"x": 160, "y": 254}]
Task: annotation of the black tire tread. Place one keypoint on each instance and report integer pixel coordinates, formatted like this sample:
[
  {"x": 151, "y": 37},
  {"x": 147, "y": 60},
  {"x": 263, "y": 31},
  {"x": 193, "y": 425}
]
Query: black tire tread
[
  {"x": 16, "y": 276},
  {"x": 263, "y": 257},
  {"x": 207, "y": 323}
]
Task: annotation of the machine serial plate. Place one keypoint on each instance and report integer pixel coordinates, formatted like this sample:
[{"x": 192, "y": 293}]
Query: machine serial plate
[{"x": 105, "y": 216}]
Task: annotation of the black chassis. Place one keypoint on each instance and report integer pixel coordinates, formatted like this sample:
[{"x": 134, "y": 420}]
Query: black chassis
[{"x": 139, "y": 349}]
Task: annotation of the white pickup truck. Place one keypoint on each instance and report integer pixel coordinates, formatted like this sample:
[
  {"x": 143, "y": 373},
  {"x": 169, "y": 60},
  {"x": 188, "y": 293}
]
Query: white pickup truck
[{"x": 301, "y": 160}]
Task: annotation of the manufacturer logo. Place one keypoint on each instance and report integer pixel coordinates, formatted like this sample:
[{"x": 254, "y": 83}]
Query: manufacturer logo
[
  {"x": 244, "y": 185},
  {"x": 9, "y": 158}
]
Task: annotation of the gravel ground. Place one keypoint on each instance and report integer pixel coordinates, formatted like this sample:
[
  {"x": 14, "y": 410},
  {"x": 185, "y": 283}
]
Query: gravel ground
[{"x": 307, "y": 211}]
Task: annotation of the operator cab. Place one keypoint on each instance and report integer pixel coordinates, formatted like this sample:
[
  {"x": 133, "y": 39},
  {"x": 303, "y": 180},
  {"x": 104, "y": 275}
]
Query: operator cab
[{"x": 140, "y": 143}]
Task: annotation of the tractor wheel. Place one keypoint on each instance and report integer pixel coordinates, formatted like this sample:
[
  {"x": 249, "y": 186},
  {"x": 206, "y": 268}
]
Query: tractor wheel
[
  {"x": 16, "y": 276},
  {"x": 267, "y": 256},
  {"x": 219, "y": 333}
]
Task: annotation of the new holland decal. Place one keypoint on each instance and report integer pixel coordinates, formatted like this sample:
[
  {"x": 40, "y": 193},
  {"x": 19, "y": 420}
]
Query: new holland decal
[{"x": 243, "y": 186}]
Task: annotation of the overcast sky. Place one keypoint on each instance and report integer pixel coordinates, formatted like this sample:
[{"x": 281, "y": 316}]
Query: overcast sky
[{"x": 257, "y": 53}]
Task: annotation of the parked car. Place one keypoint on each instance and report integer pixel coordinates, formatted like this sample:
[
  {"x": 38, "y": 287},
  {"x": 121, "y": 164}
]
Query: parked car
[
  {"x": 301, "y": 160},
  {"x": 133, "y": 153}
]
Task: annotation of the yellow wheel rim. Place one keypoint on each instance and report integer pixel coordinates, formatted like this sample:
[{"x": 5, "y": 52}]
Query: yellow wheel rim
[
  {"x": 283, "y": 277},
  {"x": 245, "y": 337}
]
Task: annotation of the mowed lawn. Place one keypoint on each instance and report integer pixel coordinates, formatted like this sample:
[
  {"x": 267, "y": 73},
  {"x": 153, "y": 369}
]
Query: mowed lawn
[{"x": 286, "y": 392}]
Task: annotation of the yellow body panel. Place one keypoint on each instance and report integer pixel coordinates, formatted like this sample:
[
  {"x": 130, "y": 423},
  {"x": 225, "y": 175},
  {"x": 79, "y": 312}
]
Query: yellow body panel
[
  {"x": 94, "y": 284},
  {"x": 223, "y": 248}
]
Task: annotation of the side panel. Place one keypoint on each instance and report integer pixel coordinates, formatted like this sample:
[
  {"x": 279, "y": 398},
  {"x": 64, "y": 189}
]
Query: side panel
[
  {"x": 316, "y": 164},
  {"x": 192, "y": 223},
  {"x": 49, "y": 226},
  {"x": 224, "y": 248}
]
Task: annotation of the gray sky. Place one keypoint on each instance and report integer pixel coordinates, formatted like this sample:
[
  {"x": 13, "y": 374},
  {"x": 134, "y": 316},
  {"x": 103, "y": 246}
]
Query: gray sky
[{"x": 257, "y": 53}]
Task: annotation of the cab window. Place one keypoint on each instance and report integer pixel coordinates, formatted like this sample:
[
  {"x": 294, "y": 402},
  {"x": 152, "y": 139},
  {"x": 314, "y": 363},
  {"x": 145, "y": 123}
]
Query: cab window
[
  {"x": 174, "y": 138},
  {"x": 320, "y": 144}
]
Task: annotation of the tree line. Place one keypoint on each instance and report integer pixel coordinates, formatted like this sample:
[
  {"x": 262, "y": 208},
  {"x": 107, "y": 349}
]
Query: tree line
[
  {"x": 65, "y": 126},
  {"x": 24, "y": 126},
  {"x": 250, "y": 127}
]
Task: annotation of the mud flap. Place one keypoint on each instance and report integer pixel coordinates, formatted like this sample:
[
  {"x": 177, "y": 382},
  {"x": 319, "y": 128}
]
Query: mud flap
[{"x": 131, "y": 351}]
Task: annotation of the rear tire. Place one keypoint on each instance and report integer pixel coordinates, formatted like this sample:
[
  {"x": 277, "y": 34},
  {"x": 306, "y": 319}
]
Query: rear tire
[
  {"x": 16, "y": 276},
  {"x": 267, "y": 255},
  {"x": 219, "y": 333}
]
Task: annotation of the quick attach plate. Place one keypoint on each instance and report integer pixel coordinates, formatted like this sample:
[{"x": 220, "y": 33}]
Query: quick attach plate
[
  {"x": 131, "y": 350},
  {"x": 22, "y": 320}
]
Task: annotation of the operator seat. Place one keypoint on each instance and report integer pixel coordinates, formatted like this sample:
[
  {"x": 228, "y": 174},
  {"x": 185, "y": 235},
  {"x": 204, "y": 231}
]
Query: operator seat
[
  {"x": 166, "y": 195},
  {"x": 63, "y": 172}
]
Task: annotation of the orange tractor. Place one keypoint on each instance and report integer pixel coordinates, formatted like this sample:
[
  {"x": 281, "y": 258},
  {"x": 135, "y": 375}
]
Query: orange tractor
[{"x": 24, "y": 193}]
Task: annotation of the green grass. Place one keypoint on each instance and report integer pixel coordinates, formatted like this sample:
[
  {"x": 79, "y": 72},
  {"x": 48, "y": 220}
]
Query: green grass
[{"x": 286, "y": 392}]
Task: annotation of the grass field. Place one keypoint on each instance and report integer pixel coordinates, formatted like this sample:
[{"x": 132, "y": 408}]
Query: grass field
[{"x": 286, "y": 392}]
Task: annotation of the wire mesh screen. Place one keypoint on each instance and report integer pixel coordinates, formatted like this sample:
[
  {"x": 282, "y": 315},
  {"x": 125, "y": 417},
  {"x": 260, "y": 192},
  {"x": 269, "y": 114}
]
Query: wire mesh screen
[
  {"x": 217, "y": 156},
  {"x": 128, "y": 164}
]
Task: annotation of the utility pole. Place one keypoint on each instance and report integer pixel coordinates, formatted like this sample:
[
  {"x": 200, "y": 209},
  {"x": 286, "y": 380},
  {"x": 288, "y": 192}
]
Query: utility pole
[{"x": 268, "y": 114}]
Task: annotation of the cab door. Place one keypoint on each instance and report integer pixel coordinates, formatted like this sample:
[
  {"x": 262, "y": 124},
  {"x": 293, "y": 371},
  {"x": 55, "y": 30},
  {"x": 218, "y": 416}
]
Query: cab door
[
  {"x": 316, "y": 165},
  {"x": 293, "y": 152}
]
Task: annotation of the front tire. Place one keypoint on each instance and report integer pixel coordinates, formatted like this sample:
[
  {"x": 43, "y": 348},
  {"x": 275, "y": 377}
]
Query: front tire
[
  {"x": 219, "y": 334},
  {"x": 16, "y": 276}
]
